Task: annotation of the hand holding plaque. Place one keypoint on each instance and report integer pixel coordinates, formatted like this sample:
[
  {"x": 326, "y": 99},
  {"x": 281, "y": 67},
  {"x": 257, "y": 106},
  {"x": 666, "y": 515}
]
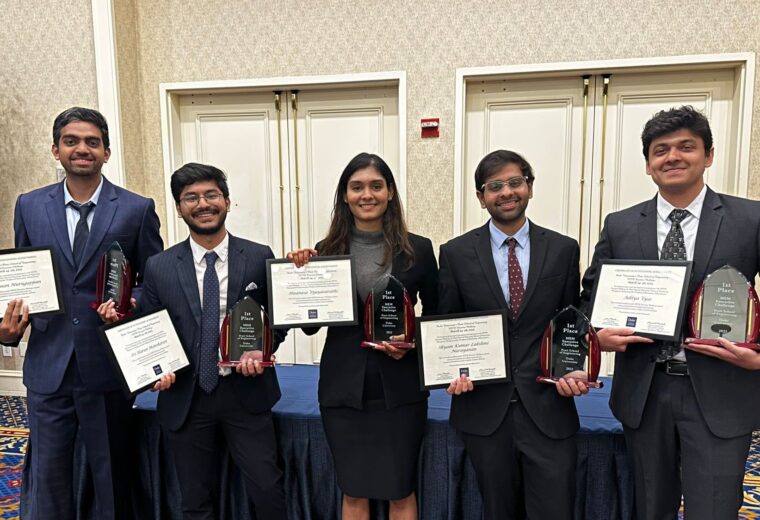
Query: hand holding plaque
[
  {"x": 388, "y": 315},
  {"x": 245, "y": 329},
  {"x": 570, "y": 349},
  {"x": 114, "y": 281},
  {"x": 725, "y": 305}
]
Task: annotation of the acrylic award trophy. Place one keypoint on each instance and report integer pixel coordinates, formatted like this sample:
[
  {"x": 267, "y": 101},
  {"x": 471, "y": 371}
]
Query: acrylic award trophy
[
  {"x": 114, "y": 281},
  {"x": 245, "y": 329},
  {"x": 388, "y": 314},
  {"x": 570, "y": 349},
  {"x": 725, "y": 305}
]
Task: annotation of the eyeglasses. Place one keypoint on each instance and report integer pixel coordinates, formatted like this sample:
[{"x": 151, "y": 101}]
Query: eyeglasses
[
  {"x": 514, "y": 183},
  {"x": 193, "y": 199}
]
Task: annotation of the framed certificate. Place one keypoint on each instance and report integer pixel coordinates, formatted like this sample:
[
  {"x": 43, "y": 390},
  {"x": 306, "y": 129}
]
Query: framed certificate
[
  {"x": 474, "y": 344},
  {"x": 322, "y": 292},
  {"x": 143, "y": 348},
  {"x": 647, "y": 295},
  {"x": 31, "y": 273}
]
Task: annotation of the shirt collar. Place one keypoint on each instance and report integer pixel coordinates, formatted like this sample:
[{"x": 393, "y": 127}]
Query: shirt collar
[
  {"x": 221, "y": 250},
  {"x": 694, "y": 208},
  {"x": 95, "y": 196},
  {"x": 498, "y": 236}
]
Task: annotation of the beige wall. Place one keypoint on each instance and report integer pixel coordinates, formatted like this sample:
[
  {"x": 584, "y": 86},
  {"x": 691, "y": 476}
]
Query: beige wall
[
  {"x": 189, "y": 40},
  {"x": 48, "y": 64}
]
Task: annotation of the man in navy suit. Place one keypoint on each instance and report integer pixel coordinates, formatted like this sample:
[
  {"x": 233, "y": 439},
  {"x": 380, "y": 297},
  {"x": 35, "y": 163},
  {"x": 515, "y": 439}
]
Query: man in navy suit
[
  {"x": 520, "y": 435},
  {"x": 197, "y": 281},
  {"x": 687, "y": 413},
  {"x": 70, "y": 381}
]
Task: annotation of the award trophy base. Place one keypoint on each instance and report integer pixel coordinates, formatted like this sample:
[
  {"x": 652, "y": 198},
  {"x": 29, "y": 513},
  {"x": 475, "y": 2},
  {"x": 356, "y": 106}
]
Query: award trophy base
[
  {"x": 551, "y": 381},
  {"x": 230, "y": 364},
  {"x": 714, "y": 342},
  {"x": 402, "y": 345}
]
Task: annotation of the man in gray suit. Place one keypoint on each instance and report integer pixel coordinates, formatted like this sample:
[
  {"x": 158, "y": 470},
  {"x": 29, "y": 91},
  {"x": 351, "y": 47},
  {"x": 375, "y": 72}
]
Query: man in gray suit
[
  {"x": 197, "y": 281},
  {"x": 688, "y": 411}
]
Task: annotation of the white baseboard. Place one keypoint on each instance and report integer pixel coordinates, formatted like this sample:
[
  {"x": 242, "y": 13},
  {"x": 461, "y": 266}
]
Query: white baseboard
[{"x": 11, "y": 383}]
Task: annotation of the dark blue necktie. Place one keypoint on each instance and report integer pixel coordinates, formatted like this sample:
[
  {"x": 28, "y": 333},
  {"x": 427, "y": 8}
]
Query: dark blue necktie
[
  {"x": 82, "y": 231},
  {"x": 208, "y": 374}
]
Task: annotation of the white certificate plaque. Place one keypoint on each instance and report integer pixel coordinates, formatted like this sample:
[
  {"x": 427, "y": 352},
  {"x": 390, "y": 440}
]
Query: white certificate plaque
[
  {"x": 471, "y": 344},
  {"x": 322, "y": 292},
  {"x": 649, "y": 296},
  {"x": 30, "y": 273},
  {"x": 143, "y": 348}
]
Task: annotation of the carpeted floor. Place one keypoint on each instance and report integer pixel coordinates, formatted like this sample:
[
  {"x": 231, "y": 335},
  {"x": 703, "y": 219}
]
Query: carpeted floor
[{"x": 14, "y": 432}]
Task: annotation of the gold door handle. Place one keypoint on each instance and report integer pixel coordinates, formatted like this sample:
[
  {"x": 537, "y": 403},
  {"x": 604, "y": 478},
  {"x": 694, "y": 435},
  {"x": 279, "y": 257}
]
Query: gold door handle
[
  {"x": 586, "y": 82},
  {"x": 605, "y": 94},
  {"x": 278, "y": 109},
  {"x": 294, "y": 107}
]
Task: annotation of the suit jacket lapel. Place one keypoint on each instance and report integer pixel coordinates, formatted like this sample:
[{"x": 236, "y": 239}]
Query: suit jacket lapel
[
  {"x": 104, "y": 213},
  {"x": 538, "y": 247},
  {"x": 485, "y": 256},
  {"x": 188, "y": 281},
  {"x": 56, "y": 212},
  {"x": 707, "y": 233},
  {"x": 236, "y": 265},
  {"x": 648, "y": 231}
]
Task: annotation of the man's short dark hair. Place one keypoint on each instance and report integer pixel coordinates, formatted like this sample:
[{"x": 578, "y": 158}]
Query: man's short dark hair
[
  {"x": 668, "y": 121},
  {"x": 196, "y": 172},
  {"x": 88, "y": 115},
  {"x": 495, "y": 161}
]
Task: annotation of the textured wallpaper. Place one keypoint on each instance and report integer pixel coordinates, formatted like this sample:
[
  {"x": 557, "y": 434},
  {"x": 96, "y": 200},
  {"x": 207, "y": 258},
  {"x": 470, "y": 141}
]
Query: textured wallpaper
[
  {"x": 192, "y": 40},
  {"x": 48, "y": 64}
]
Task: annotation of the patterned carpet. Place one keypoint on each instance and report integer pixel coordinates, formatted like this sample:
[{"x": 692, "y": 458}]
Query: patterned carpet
[{"x": 14, "y": 432}]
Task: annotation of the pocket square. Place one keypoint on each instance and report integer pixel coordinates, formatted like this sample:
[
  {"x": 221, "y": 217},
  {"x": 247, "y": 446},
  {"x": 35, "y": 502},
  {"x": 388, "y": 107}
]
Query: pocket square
[{"x": 251, "y": 286}]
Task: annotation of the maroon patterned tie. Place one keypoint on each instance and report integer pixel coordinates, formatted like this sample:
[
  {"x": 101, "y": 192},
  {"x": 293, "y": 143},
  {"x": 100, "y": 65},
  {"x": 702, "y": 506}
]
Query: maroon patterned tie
[{"x": 516, "y": 289}]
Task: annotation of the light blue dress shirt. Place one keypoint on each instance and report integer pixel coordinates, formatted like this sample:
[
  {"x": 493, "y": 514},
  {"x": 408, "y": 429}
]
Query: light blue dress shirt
[
  {"x": 500, "y": 252},
  {"x": 72, "y": 215}
]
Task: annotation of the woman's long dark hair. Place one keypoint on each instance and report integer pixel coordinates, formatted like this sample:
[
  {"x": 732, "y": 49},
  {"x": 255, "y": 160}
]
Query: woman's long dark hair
[{"x": 395, "y": 234}]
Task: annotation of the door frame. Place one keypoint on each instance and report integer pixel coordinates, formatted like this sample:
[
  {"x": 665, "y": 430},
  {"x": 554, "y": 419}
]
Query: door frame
[
  {"x": 169, "y": 94},
  {"x": 743, "y": 62}
]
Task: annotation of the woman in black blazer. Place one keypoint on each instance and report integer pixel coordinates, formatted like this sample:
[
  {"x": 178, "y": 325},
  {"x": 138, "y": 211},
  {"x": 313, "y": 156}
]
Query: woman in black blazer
[{"x": 372, "y": 408}]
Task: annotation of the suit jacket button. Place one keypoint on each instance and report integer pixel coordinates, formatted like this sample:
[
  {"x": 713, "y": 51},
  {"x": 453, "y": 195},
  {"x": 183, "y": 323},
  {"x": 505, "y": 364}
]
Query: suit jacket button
[
  {"x": 75, "y": 321},
  {"x": 515, "y": 370},
  {"x": 75, "y": 290}
]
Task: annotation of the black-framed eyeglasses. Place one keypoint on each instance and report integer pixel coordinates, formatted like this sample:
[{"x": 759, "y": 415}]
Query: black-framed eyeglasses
[
  {"x": 514, "y": 183},
  {"x": 193, "y": 199}
]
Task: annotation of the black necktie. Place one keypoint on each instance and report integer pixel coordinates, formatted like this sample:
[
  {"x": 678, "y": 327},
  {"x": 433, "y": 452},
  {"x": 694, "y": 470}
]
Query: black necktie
[
  {"x": 674, "y": 248},
  {"x": 208, "y": 373},
  {"x": 82, "y": 231}
]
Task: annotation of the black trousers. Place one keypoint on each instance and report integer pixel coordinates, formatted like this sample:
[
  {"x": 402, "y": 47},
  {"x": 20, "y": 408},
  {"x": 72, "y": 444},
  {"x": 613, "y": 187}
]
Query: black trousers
[
  {"x": 673, "y": 452},
  {"x": 521, "y": 472},
  {"x": 252, "y": 444}
]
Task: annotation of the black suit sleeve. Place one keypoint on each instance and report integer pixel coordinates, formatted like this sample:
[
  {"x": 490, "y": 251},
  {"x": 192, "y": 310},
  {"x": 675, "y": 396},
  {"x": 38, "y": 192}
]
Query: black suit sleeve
[
  {"x": 449, "y": 299},
  {"x": 572, "y": 280},
  {"x": 602, "y": 251},
  {"x": 150, "y": 300}
]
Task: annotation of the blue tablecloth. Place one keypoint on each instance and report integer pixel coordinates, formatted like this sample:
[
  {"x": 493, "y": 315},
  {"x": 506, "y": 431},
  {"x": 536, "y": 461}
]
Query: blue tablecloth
[
  {"x": 299, "y": 398},
  {"x": 447, "y": 489}
]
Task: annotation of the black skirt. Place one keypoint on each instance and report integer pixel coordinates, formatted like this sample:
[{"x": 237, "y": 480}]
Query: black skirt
[{"x": 376, "y": 450}]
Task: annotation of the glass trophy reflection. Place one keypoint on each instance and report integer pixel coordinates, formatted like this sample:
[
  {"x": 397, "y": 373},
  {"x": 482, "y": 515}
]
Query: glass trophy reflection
[
  {"x": 570, "y": 349},
  {"x": 388, "y": 315},
  {"x": 725, "y": 305},
  {"x": 114, "y": 280},
  {"x": 245, "y": 329}
]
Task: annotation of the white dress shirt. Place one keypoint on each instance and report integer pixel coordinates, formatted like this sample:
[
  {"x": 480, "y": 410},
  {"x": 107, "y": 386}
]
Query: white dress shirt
[
  {"x": 689, "y": 226},
  {"x": 72, "y": 215},
  {"x": 222, "y": 272}
]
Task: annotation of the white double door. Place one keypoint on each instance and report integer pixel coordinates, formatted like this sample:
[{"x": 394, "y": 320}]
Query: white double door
[
  {"x": 283, "y": 152},
  {"x": 582, "y": 135}
]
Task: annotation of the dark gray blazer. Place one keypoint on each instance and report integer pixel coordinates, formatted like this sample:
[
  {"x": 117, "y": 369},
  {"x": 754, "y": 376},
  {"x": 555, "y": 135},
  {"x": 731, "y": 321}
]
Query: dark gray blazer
[
  {"x": 468, "y": 282},
  {"x": 729, "y": 233},
  {"x": 170, "y": 282}
]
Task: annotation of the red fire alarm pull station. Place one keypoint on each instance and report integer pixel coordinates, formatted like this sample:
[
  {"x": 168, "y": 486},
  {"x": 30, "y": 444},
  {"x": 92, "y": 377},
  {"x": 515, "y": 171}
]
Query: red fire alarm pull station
[{"x": 429, "y": 127}]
